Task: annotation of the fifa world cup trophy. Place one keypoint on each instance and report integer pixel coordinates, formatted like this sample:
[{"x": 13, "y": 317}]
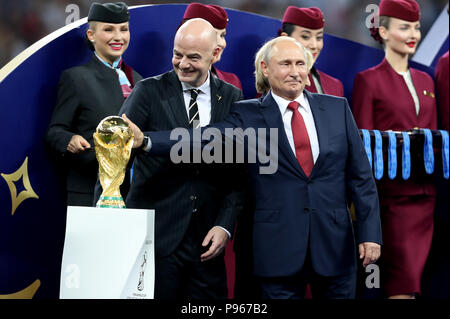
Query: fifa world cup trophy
[{"x": 113, "y": 141}]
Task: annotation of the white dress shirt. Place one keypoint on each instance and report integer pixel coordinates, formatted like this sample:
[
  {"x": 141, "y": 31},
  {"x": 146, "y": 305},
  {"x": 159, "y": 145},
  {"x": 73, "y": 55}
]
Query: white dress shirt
[
  {"x": 317, "y": 84},
  {"x": 203, "y": 100},
  {"x": 409, "y": 83},
  {"x": 305, "y": 110},
  {"x": 203, "y": 104}
]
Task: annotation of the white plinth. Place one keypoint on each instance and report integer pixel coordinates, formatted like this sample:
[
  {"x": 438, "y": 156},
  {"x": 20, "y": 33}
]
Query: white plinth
[{"x": 108, "y": 254}]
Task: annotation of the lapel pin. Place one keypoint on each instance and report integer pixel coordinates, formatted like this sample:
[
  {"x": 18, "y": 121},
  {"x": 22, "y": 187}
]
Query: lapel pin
[
  {"x": 430, "y": 94},
  {"x": 219, "y": 97}
]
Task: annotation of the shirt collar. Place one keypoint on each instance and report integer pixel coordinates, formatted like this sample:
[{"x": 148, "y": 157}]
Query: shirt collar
[
  {"x": 283, "y": 103},
  {"x": 204, "y": 88},
  {"x": 116, "y": 64}
]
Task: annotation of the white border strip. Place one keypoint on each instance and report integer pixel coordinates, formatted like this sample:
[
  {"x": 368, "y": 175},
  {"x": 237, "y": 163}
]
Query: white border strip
[
  {"x": 434, "y": 40},
  {"x": 25, "y": 54}
]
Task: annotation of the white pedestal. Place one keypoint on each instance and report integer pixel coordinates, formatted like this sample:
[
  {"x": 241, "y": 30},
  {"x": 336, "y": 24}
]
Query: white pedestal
[{"x": 108, "y": 254}]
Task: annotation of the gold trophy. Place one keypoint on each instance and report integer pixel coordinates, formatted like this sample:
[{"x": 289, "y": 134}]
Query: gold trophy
[{"x": 113, "y": 141}]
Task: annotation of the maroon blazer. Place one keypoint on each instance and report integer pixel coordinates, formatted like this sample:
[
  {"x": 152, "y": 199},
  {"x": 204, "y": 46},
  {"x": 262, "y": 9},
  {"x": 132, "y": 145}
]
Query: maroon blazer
[
  {"x": 382, "y": 101},
  {"x": 227, "y": 77},
  {"x": 330, "y": 85},
  {"x": 441, "y": 78}
]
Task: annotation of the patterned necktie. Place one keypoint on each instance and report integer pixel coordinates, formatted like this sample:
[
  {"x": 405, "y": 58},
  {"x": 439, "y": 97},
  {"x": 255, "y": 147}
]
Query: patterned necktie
[
  {"x": 301, "y": 140},
  {"x": 193, "y": 109}
]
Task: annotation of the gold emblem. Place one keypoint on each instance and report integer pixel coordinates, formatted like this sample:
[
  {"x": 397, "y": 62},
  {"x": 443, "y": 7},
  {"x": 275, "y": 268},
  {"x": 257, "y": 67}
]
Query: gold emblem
[
  {"x": 17, "y": 199},
  {"x": 22, "y": 172},
  {"x": 430, "y": 94},
  {"x": 26, "y": 293}
]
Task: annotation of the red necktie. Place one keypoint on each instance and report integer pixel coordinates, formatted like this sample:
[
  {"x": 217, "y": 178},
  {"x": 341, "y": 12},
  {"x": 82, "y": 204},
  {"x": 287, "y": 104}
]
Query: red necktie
[{"x": 301, "y": 140}]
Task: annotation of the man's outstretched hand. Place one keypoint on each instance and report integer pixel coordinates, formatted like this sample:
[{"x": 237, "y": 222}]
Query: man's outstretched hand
[{"x": 138, "y": 135}]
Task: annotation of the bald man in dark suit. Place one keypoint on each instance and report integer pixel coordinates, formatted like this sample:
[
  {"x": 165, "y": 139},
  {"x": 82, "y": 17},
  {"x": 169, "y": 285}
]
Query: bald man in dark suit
[{"x": 195, "y": 205}]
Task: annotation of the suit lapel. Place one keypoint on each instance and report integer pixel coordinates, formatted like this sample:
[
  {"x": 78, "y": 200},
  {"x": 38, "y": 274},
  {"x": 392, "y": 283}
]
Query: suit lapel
[
  {"x": 108, "y": 77},
  {"x": 175, "y": 101},
  {"x": 312, "y": 86},
  {"x": 272, "y": 116},
  {"x": 421, "y": 93},
  {"x": 217, "y": 108},
  {"x": 322, "y": 125}
]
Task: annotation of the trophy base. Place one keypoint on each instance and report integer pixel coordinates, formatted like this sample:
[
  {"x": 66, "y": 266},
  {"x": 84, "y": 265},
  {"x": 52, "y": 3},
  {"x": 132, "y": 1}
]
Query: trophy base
[{"x": 110, "y": 202}]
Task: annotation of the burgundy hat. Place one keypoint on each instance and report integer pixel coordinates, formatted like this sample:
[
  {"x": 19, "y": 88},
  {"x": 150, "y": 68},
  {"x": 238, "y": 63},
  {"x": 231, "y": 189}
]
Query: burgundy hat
[
  {"x": 215, "y": 15},
  {"x": 311, "y": 18},
  {"x": 407, "y": 10}
]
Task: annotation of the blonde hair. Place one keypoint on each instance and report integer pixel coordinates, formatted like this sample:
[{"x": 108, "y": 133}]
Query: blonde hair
[
  {"x": 265, "y": 53},
  {"x": 92, "y": 25}
]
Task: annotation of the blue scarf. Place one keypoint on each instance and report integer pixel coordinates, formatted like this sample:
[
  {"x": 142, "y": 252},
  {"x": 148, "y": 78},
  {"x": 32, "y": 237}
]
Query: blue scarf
[{"x": 123, "y": 80}]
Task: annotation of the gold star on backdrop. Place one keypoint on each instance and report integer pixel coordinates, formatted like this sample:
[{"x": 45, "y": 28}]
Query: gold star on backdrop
[
  {"x": 10, "y": 179},
  {"x": 27, "y": 293},
  {"x": 22, "y": 172}
]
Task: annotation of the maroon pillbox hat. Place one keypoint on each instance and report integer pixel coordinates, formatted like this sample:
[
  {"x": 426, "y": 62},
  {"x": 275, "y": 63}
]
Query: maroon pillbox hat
[
  {"x": 215, "y": 15},
  {"x": 407, "y": 10},
  {"x": 311, "y": 18}
]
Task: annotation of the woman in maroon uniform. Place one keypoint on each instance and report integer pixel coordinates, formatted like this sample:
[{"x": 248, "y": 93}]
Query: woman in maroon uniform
[
  {"x": 394, "y": 96},
  {"x": 306, "y": 26},
  {"x": 218, "y": 17},
  {"x": 441, "y": 80}
]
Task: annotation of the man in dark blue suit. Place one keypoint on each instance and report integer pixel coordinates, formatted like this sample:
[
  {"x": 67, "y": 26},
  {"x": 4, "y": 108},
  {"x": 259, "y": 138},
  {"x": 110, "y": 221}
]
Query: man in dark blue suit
[{"x": 302, "y": 230}]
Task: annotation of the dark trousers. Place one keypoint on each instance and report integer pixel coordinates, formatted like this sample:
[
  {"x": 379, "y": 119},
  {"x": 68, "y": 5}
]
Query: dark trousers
[
  {"x": 182, "y": 275},
  {"x": 246, "y": 285},
  {"x": 322, "y": 287}
]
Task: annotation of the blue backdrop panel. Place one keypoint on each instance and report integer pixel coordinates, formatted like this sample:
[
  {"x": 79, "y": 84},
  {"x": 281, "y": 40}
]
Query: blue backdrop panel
[{"x": 31, "y": 239}]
